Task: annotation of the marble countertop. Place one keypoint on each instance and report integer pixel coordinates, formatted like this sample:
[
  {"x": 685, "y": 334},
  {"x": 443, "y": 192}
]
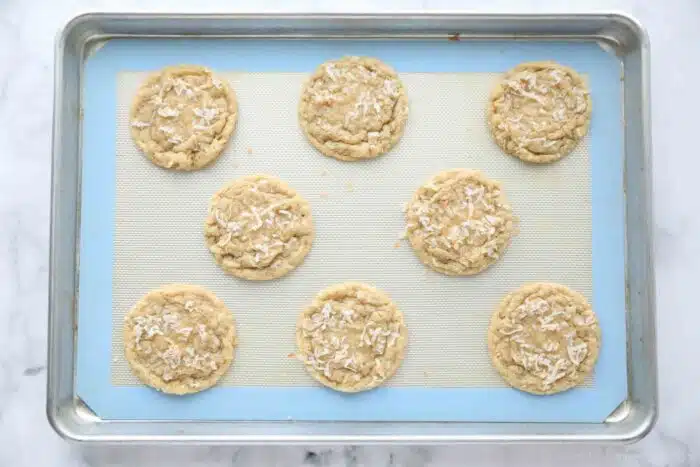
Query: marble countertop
[{"x": 27, "y": 31}]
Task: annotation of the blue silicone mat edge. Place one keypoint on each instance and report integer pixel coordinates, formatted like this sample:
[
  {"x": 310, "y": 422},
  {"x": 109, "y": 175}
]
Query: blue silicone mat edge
[{"x": 591, "y": 405}]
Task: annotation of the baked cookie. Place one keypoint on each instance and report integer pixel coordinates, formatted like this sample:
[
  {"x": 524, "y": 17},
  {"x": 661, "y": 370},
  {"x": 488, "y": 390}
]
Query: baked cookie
[
  {"x": 354, "y": 108},
  {"x": 544, "y": 338},
  {"x": 539, "y": 111},
  {"x": 351, "y": 338},
  {"x": 459, "y": 222},
  {"x": 182, "y": 117},
  {"x": 179, "y": 339},
  {"x": 258, "y": 228}
]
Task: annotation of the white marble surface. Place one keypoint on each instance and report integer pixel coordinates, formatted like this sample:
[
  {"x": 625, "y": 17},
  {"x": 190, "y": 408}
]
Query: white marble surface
[{"x": 27, "y": 30}]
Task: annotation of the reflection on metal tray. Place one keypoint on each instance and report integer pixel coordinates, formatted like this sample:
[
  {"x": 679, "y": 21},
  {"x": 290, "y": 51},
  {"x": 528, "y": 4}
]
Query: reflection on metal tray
[{"x": 73, "y": 419}]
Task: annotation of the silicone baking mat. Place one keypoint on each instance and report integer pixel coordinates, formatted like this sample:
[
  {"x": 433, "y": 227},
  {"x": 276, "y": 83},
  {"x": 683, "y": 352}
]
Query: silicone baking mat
[{"x": 144, "y": 225}]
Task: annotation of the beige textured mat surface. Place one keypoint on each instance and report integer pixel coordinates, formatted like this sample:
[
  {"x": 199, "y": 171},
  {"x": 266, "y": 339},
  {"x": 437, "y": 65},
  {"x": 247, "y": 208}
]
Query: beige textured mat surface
[{"x": 357, "y": 212}]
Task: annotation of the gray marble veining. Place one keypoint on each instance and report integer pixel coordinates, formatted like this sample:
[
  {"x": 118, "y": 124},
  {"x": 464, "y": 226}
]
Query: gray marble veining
[{"x": 27, "y": 31}]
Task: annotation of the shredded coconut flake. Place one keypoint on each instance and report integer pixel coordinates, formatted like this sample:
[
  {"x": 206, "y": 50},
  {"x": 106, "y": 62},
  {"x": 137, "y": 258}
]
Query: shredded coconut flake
[{"x": 168, "y": 112}]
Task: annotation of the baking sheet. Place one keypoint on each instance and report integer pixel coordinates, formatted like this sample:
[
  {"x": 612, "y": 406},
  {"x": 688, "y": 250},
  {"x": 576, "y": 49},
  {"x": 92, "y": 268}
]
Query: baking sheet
[{"x": 157, "y": 237}]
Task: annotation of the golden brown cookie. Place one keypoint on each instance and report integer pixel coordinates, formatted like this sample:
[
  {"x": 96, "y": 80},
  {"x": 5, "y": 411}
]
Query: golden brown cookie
[
  {"x": 544, "y": 338},
  {"x": 183, "y": 117},
  {"x": 258, "y": 228},
  {"x": 351, "y": 338},
  {"x": 539, "y": 111},
  {"x": 353, "y": 108},
  {"x": 459, "y": 222},
  {"x": 179, "y": 339}
]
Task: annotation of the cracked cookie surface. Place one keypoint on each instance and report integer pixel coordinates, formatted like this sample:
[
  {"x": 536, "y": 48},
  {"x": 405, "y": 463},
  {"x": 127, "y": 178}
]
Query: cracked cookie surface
[
  {"x": 179, "y": 339},
  {"x": 544, "y": 338},
  {"x": 351, "y": 338},
  {"x": 353, "y": 108},
  {"x": 183, "y": 117},
  {"x": 258, "y": 228},
  {"x": 539, "y": 111}
]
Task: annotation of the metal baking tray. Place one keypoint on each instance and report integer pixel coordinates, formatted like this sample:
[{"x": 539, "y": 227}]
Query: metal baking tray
[{"x": 617, "y": 33}]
